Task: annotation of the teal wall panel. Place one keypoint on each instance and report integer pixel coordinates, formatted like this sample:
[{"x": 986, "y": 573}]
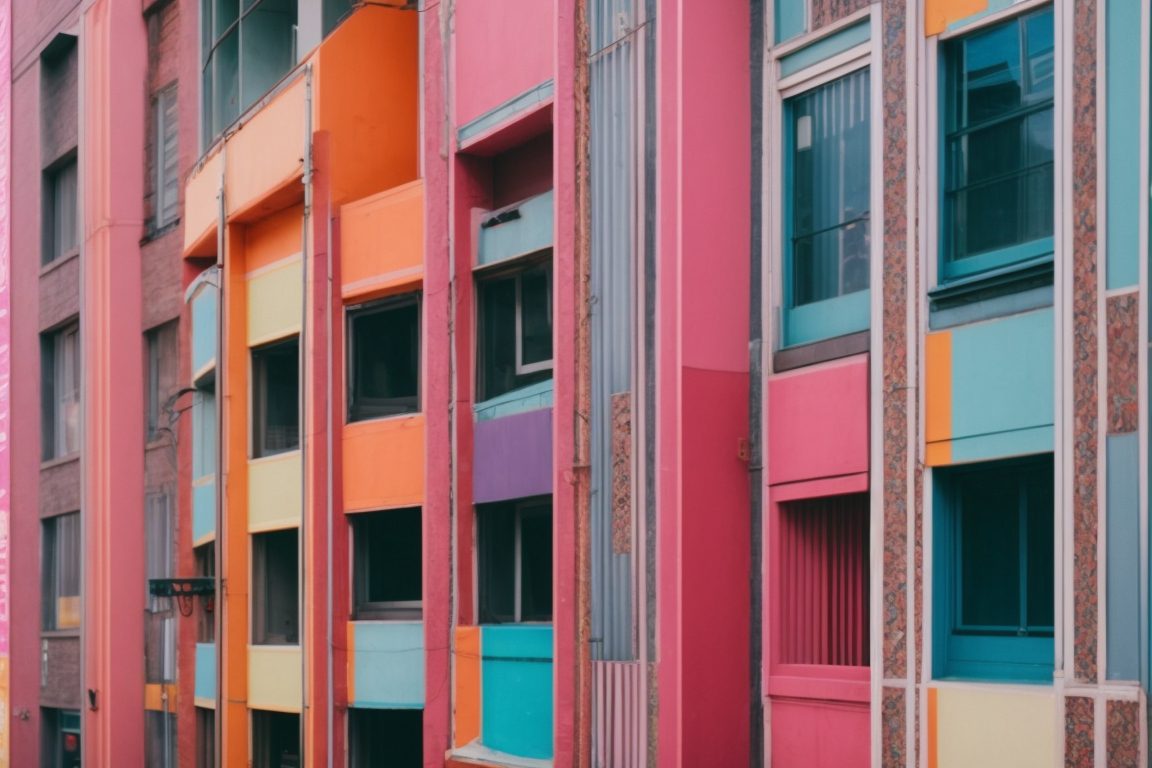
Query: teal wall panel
[
  {"x": 1123, "y": 561},
  {"x": 529, "y": 398},
  {"x": 388, "y": 664},
  {"x": 205, "y": 680},
  {"x": 994, "y": 6},
  {"x": 204, "y": 309},
  {"x": 791, "y": 19},
  {"x": 1002, "y": 391},
  {"x": 1123, "y": 142},
  {"x": 203, "y": 510},
  {"x": 516, "y": 675},
  {"x": 826, "y": 48},
  {"x": 530, "y": 233}
]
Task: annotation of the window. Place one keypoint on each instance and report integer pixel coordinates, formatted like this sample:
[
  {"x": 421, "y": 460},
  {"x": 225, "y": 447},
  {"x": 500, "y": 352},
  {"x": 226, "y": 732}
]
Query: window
[
  {"x": 160, "y": 738},
  {"x": 276, "y": 398},
  {"x": 334, "y": 12},
  {"x": 391, "y": 737},
  {"x": 166, "y": 205},
  {"x": 61, "y": 228},
  {"x": 998, "y": 142},
  {"x": 205, "y": 738},
  {"x": 160, "y": 360},
  {"x": 275, "y": 588},
  {"x": 205, "y": 556},
  {"x": 248, "y": 45},
  {"x": 204, "y": 436},
  {"x": 515, "y": 330},
  {"x": 60, "y": 392},
  {"x": 827, "y": 197},
  {"x": 275, "y": 740},
  {"x": 61, "y": 738},
  {"x": 824, "y": 581},
  {"x": 515, "y": 561},
  {"x": 60, "y": 576},
  {"x": 384, "y": 358},
  {"x": 387, "y": 564},
  {"x": 994, "y": 560}
]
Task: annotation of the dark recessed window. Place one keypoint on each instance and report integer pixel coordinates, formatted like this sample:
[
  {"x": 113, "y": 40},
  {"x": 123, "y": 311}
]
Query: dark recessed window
[
  {"x": 205, "y": 738},
  {"x": 60, "y": 392},
  {"x": 61, "y": 224},
  {"x": 276, "y": 398},
  {"x": 205, "y": 556},
  {"x": 515, "y": 561},
  {"x": 515, "y": 333},
  {"x": 275, "y": 588},
  {"x": 386, "y": 737},
  {"x": 387, "y": 564},
  {"x": 60, "y": 576},
  {"x": 166, "y": 203},
  {"x": 384, "y": 358},
  {"x": 275, "y": 740}
]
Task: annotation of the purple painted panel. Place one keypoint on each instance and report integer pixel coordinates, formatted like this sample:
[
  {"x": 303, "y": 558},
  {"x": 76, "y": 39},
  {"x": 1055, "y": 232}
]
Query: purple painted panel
[{"x": 512, "y": 457}]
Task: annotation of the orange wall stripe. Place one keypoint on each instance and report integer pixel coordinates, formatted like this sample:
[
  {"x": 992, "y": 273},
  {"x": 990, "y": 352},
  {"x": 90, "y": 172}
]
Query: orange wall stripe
[
  {"x": 931, "y": 728},
  {"x": 938, "y": 14},
  {"x": 938, "y": 397}
]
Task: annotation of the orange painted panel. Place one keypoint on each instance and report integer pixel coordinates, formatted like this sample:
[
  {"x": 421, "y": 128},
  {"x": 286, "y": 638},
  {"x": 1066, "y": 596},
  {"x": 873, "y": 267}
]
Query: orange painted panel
[
  {"x": 382, "y": 240},
  {"x": 268, "y": 152},
  {"x": 201, "y": 207},
  {"x": 931, "y": 728},
  {"x": 350, "y": 667},
  {"x": 938, "y": 396},
  {"x": 938, "y": 14},
  {"x": 374, "y": 141},
  {"x": 273, "y": 238},
  {"x": 467, "y": 685},
  {"x": 154, "y": 696},
  {"x": 384, "y": 463}
]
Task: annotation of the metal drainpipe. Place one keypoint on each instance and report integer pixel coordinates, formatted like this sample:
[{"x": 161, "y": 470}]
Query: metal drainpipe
[
  {"x": 302, "y": 349},
  {"x": 218, "y": 542},
  {"x": 328, "y": 512}
]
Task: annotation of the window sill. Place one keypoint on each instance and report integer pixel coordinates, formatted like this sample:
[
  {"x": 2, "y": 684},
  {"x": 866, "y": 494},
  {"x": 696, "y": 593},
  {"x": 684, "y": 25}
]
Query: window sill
[
  {"x": 59, "y": 262},
  {"x": 59, "y": 460},
  {"x": 60, "y": 634},
  {"x": 1005, "y": 291},
  {"x": 152, "y": 232},
  {"x": 390, "y": 417},
  {"x": 850, "y": 344}
]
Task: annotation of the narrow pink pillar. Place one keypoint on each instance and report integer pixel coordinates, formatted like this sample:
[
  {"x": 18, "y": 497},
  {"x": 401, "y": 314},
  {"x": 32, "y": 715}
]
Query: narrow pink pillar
[{"x": 112, "y": 99}]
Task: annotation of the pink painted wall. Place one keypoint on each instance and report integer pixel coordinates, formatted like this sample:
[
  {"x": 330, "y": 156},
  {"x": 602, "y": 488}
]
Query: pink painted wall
[
  {"x": 5, "y": 365},
  {"x": 818, "y": 422},
  {"x": 819, "y": 734},
  {"x": 503, "y": 48}
]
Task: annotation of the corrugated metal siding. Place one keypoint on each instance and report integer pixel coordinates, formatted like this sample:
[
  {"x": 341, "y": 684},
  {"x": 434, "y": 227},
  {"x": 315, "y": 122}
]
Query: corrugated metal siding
[
  {"x": 614, "y": 197},
  {"x": 618, "y": 715}
]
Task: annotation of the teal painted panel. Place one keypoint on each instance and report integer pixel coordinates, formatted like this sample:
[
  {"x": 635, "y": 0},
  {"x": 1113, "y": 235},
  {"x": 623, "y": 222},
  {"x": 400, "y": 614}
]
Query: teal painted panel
[
  {"x": 1123, "y": 562},
  {"x": 1002, "y": 372},
  {"x": 506, "y": 112},
  {"x": 1001, "y": 445},
  {"x": 826, "y": 48},
  {"x": 203, "y": 510},
  {"x": 530, "y": 398},
  {"x": 994, "y": 6},
  {"x": 791, "y": 19},
  {"x": 205, "y": 681},
  {"x": 204, "y": 309},
  {"x": 516, "y": 674},
  {"x": 529, "y": 233},
  {"x": 388, "y": 664},
  {"x": 1123, "y": 142},
  {"x": 828, "y": 319}
]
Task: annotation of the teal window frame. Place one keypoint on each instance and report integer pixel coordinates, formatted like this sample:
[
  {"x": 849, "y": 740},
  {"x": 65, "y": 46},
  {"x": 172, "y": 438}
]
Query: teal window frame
[
  {"x": 1000, "y": 654},
  {"x": 1021, "y": 255},
  {"x": 840, "y": 315}
]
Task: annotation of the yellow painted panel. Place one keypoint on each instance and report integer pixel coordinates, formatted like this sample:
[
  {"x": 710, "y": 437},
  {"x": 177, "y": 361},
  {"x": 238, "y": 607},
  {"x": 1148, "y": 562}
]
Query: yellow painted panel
[
  {"x": 274, "y": 677},
  {"x": 274, "y": 492},
  {"x": 995, "y": 728},
  {"x": 201, "y": 204},
  {"x": 275, "y": 302},
  {"x": 268, "y": 152}
]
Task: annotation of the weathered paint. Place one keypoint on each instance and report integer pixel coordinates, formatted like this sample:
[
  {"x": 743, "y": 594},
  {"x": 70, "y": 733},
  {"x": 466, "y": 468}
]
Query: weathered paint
[
  {"x": 512, "y": 457},
  {"x": 1018, "y": 729},
  {"x": 274, "y": 486},
  {"x": 275, "y": 302},
  {"x": 1122, "y": 71},
  {"x": 205, "y": 683},
  {"x": 467, "y": 682},
  {"x": 274, "y": 677},
  {"x": 387, "y": 664},
  {"x": 1123, "y": 561},
  {"x": 517, "y": 690},
  {"x": 383, "y": 463},
  {"x": 819, "y": 422},
  {"x": 382, "y": 241}
]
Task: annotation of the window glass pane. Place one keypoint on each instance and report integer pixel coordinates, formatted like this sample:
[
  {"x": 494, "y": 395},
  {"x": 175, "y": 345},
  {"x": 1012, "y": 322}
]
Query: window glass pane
[
  {"x": 276, "y": 397},
  {"x": 385, "y": 360},
  {"x": 1041, "y": 550},
  {"x": 536, "y": 316},
  {"x": 989, "y": 551},
  {"x": 991, "y": 71},
  {"x": 226, "y": 85},
  {"x": 388, "y": 563},
  {"x": 66, "y": 382},
  {"x": 167, "y": 157},
  {"x": 497, "y": 337},
  {"x": 536, "y": 564},
  {"x": 226, "y": 12},
  {"x": 276, "y": 574},
  {"x": 828, "y": 184},
  {"x": 267, "y": 36},
  {"x": 497, "y": 563}
]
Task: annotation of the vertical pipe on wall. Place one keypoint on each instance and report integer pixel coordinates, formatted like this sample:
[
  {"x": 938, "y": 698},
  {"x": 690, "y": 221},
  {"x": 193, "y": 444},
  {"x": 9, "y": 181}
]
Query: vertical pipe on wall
[
  {"x": 218, "y": 542},
  {"x": 302, "y": 538}
]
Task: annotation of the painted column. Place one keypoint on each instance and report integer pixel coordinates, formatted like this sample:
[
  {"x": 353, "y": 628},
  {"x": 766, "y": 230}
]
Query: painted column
[
  {"x": 5, "y": 366},
  {"x": 112, "y": 74}
]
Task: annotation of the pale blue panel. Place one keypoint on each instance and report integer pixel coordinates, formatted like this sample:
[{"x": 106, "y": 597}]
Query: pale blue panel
[
  {"x": 529, "y": 233},
  {"x": 1003, "y": 445},
  {"x": 828, "y": 319},
  {"x": 529, "y": 398},
  {"x": 1123, "y": 145},
  {"x": 506, "y": 112},
  {"x": 388, "y": 664},
  {"x": 204, "y": 308},
  {"x": 994, "y": 6},
  {"x": 826, "y": 48},
  {"x": 791, "y": 19},
  {"x": 516, "y": 675},
  {"x": 205, "y": 671},
  {"x": 1123, "y": 561},
  {"x": 203, "y": 510},
  {"x": 1002, "y": 372}
]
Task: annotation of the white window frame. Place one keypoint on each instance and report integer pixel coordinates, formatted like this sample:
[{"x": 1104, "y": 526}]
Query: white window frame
[{"x": 542, "y": 365}]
